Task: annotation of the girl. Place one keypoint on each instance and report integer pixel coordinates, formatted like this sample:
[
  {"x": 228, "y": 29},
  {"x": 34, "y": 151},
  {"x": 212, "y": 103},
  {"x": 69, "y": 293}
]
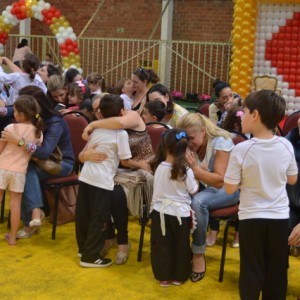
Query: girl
[
  {"x": 171, "y": 211},
  {"x": 75, "y": 95},
  {"x": 124, "y": 88},
  {"x": 14, "y": 160},
  {"x": 96, "y": 83}
]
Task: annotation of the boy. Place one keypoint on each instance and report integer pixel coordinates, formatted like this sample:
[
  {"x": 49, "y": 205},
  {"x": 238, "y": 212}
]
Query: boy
[
  {"x": 261, "y": 167},
  {"x": 93, "y": 208},
  {"x": 154, "y": 111}
]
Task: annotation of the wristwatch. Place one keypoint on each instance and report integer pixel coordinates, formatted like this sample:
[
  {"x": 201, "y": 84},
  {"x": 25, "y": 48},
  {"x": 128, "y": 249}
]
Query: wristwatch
[{"x": 21, "y": 142}]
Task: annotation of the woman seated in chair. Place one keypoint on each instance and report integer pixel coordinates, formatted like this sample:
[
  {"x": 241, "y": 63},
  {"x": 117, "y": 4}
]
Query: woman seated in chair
[
  {"x": 210, "y": 149},
  {"x": 174, "y": 112},
  {"x": 141, "y": 150},
  {"x": 56, "y": 133}
]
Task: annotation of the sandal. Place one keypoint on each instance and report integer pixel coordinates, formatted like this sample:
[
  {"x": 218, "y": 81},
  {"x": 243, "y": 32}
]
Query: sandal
[
  {"x": 197, "y": 276},
  {"x": 37, "y": 222}
]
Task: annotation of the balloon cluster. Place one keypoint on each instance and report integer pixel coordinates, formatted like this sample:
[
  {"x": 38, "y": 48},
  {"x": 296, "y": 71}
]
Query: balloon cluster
[
  {"x": 50, "y": 15},
  {"x": 277, "y": 48},
  {"x": 243, "y": 38}
]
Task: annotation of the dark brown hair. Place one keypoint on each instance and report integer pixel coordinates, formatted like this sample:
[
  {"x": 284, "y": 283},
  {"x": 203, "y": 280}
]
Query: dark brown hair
[
  {"x": 30, "y": 64},
  {"x": 147, "y": 75},
  {"x": 97, "y": 78},
  {"x": 111, "y": 105},
  {"x": 270, "y": 106},
  {"x": 30, "y": 108},
  {"x": 75, "y": 90},
  {"x": 119, "y": 86},
  {"x": 175, "y": 143},
  {"x": 233, "y": 121}
]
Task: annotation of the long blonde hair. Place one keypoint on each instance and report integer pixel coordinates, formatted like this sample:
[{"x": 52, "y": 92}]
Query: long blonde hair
[{"x": 199, "y": 121}]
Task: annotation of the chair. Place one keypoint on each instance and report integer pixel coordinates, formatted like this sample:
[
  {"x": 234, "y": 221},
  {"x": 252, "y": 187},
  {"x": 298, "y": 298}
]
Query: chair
[
  {"x": 265, "y": 82},
  {"x": 204, "y": 109},
  {"x": 228, "y": 214},
  {"x": 155, "y": 134},
  {"x": 76, "y": 123},
  {"x": 291, "y": 122}
]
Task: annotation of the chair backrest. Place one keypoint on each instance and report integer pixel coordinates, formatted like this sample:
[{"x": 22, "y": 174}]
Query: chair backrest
[
  {"x": 155, "y": 133},
  {"x": 265, "y": 83},
  {"x": 291, "y": 122},
  {"x": 204, "y": 109},
  {"x": 239, "y": 137},
  {"x": 76, "y": 122}
]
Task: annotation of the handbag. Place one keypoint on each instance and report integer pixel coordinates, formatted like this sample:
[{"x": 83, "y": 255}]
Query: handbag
[{"x": 52, "y": 165}]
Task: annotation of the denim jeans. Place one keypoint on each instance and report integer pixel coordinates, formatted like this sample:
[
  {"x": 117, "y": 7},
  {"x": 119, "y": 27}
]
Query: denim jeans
[
  {"x": 204, "y": 202},
  {"x": 32, "y": 195}
]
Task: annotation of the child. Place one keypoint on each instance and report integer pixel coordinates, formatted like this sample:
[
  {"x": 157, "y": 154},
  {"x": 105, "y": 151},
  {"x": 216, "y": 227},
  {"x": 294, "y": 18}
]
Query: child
[
  {"x": 96, "y": 186},
  {"x": 14, "y": 160},
  {"x": 96, "y": 84},
  {"x": 124, "y": 88},
  {"x": 154, "y": 111},
  {"x": 76, "y": 93},
  {"x": 261, "y": 167},
  {"x": 171, "y": 211}
]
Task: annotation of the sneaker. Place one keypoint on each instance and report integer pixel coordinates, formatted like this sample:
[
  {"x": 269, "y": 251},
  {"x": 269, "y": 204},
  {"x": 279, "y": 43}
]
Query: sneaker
[
  {"x": 98, "y": 263},
  {"x": 234, "y": 244},
  {"x": 175, "y": 282},
  {"x": 79, "y": 254},
  {"x": 165, "y": 283}
]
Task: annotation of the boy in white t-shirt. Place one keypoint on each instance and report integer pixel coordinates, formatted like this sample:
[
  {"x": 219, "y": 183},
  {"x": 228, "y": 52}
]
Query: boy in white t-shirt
[
  {"x": 93, "y": 208},
  {"x": 261, "y": 167}
]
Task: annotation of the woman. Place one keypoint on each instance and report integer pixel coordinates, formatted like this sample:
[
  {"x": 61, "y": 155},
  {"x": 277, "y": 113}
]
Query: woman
[
  {"x": 173, "y": 111},
  {"x": 141, "y": 150},
  {"x": 58, "y": 92},
  {"x": 141, "y": 78},
  {"x": 56, "y": 133},
  {"x": 20, "y": 52},
  {"x": 72, "y": 75},
  {"x": 223, "y": 94},
  {"x": 209, "y": 153},
  {"x": 47, "y": 70}
]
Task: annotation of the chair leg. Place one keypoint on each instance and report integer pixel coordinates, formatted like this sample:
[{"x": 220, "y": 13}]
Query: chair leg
[
  {"x": 221, "y": 272},
  {"x": 55, "y": 212},
  {"x": 2, "y": 209}
]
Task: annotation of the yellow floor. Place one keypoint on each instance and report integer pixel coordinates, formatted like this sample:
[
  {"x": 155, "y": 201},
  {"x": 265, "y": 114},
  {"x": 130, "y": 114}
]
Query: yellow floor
[{"x": 40, "y": 268}]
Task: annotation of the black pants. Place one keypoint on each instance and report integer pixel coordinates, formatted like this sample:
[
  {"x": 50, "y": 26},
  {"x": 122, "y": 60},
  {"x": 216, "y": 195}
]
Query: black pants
[
  {"x": 119, "y": 212},
  {"x": 93, "y": 209},
  {"x": 170, "y": 254},
  {"x": 263, "y": 259}
]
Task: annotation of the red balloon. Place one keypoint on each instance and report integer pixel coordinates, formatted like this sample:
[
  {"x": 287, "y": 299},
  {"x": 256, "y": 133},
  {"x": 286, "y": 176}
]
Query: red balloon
[
  {"x": 280, "y": 56},
  {"x": 48, "y": 22},
  {"x": 64, "y": 53},
  {"x": 76, "y": 51},
  {"x": 292, "y": 78},
  {"x": 57, "y": 14},
  {"x": 70, "y": 48},
  {"x": 68, "y": 42}
]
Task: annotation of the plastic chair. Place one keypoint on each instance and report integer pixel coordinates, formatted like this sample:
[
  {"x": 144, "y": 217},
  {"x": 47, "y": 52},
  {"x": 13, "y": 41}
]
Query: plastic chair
[
  {"x": 291, "y": 122},
  {"x": 228, "y": 214},
  {"x": 76, "y": 123},
  {"x": 204, "y": 109},
  {"x": 155, "y": 134},
  {"x": 265, "y": 82}
]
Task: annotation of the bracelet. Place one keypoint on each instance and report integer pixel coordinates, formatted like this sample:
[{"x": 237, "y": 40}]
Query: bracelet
[
  {"x": 30, "y": 148},
  {"x": 3, "y": 111}
]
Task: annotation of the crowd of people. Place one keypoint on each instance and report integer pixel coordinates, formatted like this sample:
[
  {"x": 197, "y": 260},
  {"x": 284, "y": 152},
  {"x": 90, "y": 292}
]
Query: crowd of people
[{"x": 195, "y": 170}]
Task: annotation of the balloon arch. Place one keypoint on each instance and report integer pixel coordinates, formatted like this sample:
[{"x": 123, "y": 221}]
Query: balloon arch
[
  {"x": 266, "y": 41},
  {"x": 50, "y": 15}
]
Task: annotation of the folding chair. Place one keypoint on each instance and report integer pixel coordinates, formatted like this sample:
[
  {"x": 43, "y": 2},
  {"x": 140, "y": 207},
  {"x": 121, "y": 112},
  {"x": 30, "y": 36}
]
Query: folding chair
[
  {"x": 76, "y": 122},
  {"x": 291, "y": 122}
]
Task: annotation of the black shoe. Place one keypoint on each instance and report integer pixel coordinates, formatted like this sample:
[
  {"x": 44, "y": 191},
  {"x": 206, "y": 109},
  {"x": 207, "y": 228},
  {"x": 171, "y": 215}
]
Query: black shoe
[
  {"x": 98, "y": 263},
  {"x": 197, "y": 276}
]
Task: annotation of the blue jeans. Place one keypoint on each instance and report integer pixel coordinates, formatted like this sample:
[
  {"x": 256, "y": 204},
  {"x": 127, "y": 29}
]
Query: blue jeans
[
  {"x": 204, "y": 202},
  {"x": 32, "y": 195}
]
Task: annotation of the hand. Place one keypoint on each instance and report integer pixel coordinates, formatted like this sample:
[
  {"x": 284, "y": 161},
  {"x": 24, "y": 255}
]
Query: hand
[
  {"x": 144, "y": 165},
  {"x": 3, "y": 60},
  {"x": 87, "y": 132},
  {"x": 94, "y": 156},
  {"x": 294, "y": 238},
  {"x": 191, "y": 158},
  {"x": 10, "y": 137},
  {"x": 228, "y": 105},
  {"x": 2, "y": 103}
]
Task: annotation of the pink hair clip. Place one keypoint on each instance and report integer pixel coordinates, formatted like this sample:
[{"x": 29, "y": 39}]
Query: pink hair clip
[
  {"x": 81, "y": 85},
  {"x": 239, "y": 113}
]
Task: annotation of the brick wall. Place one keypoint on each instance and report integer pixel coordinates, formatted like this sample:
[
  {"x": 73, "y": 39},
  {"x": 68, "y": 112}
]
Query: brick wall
[{"x": 198, "y": 20}]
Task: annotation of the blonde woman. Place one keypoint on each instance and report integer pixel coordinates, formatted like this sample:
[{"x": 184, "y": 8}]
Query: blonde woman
[{"x": 210, "y": 147}]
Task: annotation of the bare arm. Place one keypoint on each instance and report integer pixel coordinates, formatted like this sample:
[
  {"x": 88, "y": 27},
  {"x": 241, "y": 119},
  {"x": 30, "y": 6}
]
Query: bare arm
[
  {"x": 133, "y": 164},
  {"x": 231, "y": 188},
  {"x": 130, "y": 120},
  {"x": 292, "y": 179},
  {"x": 216, "y": 178},
  {"x": 14, "y": 68},
  {"x": 92, "y": 155}
]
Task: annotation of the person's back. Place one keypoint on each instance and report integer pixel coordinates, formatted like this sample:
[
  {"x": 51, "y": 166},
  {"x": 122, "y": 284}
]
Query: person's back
[{"x": 261, "y": 168}]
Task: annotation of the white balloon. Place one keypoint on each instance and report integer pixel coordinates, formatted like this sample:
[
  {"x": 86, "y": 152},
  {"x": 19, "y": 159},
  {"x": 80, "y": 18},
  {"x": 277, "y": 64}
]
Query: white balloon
[
  {"x": 282, "y": 22},
  {"x": 275, "y": 23},
  {"x": 61, "y": 29},
  {"x": 275, "y": 28},
  {"x": 60, "y": 41},
  {"x": 268, "y": 36},
  {"x": 47, "y": 5},
  {"x": 273, "y": 71},
  {"x": 73, "y": 36},
  {"x": 65, "y": 35},
  {"x": 285, "y": 90},
  {"x": 291, "y": 92},
  {"x": 285, "y": 85},
  {"x": 279, "y": 84}
]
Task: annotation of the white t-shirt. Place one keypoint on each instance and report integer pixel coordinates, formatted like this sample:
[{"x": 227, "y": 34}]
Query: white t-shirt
[
  {"x": 165, "y": 189},
  {"x": 17, "y": 81},
  {"x": 127, "y": 101},
  {"x": 261, "y": 168},
  {"x": 115, "y": 144}
]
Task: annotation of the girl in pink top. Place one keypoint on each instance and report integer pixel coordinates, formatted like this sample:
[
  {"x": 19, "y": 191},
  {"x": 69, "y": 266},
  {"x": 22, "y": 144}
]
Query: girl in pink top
[{"x": 14, "y": 160}]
